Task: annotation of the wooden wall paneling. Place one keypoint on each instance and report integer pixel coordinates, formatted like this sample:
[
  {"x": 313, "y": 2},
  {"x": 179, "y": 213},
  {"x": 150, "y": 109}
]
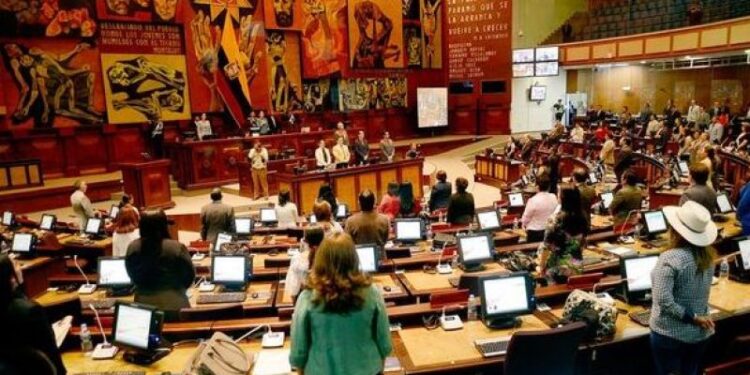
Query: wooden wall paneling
[
  {"x": 384, "y": 177},
  {"x": 413, "y": 174},
  {"x": 462, "y": 114},
  {"x": 230, "y": 156},
  {"x": 377, "y": 122},
  {"x": 128, "y": 143},
  {"x": 367, "y": 181},
  {"x": 51, "y": 152},
  {"x": 494, "y": 115},
  {"x": 345, "y": 190},
  {"x": 308, "y": 193},
  {"x": 90, "y": 151}
]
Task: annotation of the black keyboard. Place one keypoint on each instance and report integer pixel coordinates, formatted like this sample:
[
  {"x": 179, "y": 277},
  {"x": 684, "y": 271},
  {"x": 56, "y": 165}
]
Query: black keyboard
[
  {"x": 230, "y": 297},
  {"x": 641, "y": 317},
  {"x": 100, "y": 304},
  {"x": 492, "y": 347}
]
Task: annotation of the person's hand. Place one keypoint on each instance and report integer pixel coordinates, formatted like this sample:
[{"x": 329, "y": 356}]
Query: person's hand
[{"x": 704, "y": 322}]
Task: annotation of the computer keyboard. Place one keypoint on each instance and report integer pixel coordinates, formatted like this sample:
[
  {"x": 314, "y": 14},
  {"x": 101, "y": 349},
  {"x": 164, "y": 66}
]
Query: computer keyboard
[
  {"x": 641, "y": 317},
  {"x": 100, "y": 304},
  {"x": 221, "y": 298},
  {"x": 492, "y": 347}
]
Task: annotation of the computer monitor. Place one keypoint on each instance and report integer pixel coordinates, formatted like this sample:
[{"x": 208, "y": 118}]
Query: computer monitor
[
  {"x": 342, "y": 211},
  {"x": 23, "y": 243},
  {"x": 606, "y": 199},
  {"x": 515, "y": 199},
  {"x": 114, "y": 210},
  {"x": 506, "y": 297},
  {"x": 488, "y": 220},
  {"x": 137, "y": 326},
  {"x": 231, "y": 271},
  {"x": 636, "y": 271},
  {"x": 722, "y": 201},
  {"x": 593, "y": 179},
  {"x": 268, "y": 216},
  {"x": 48, "y": 222},
  {"x": 473, "y": 249},
  {"x": 655, "y": 222},
  {"x": 113, "y": 274},
  {"x": 93, "y": 226},
  {"x": 744, "y": 246},
  {"x": 313, "y": 219},
  {"x": 408, "y": 230},
  {"x": 243, "y": 226},
  {"x": 8, "y": 218},
  {"x": 368, "y": 257},
  {"x": 684, "y": 168},
  {"x": 221, "y": 239}
]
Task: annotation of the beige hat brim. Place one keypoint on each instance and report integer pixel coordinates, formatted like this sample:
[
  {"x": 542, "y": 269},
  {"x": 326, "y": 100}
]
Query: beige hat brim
[{"x": 702, "y": 239}]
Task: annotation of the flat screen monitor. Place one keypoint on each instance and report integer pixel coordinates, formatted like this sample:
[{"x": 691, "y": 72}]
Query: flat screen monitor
[
  {"x": 507, "y": 296},
  {"x": 547, "y": 54},
  {"x": 243, "y": 226},
  {"x": 515, "y": 199},
  {"x": 593, "y": 178},
  {"x": 48, "y": 222},
  {"x": 93, "y": 226},
  {"x": 229, "y": 270},
  {"x": 546, "y": 69},
  {"x": 488, "y": 220},
  {"x": 537, "y": 93},
  {"x": 744, "y": 246},
  {"x": 432, "y": 107},
  {"x": 112, "y": 272},
  {"x": 342, "y": 211},
  {"x": 636, "y": 271},
  {"x": 268, "y": 216},
  {"x": 607, "y": 199},
  {"x": 523, "y": 70},
  {"x": 23, "y": 243},
  {"x": 221, "y": 239},
  {"x": 114, "y": 210},
  {"x": 408, "y": 230},
  {"x": 368, "y": 258},
  {"x": 722, "y": 201},
  {"x": 473, "y": 249},
  {"x": 655, "y": 222},
  {"x": 524, "y": 55},
  {"x": 684, "y": 168},
  {"x": 135, "y": 325},
  {"x": 8, "y": 218},
  {"x": 313, "y": 219}
]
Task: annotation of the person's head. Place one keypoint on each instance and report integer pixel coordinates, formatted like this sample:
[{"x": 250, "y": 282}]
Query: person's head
[
  {"x": 153, "y": 227},
  {"x": 608, "y": 136},
  {"x": 127, "y": 220},
  {"x": 653, "y": 117},
  {"x": 626, "y": 141},
  {"x": 10, "y": 279},
  {"x": 261, "y": 113},
  {"x": 361, "y": 134},
  {"x": 166, "y": 9},
  {"x": 322, "y": 143},
  {"x": 413, "y": 146},
  {"x": 366, "y": 200},
  {"x": 197, "y": 118},
  {"x": 629, "y": 178},
  {"x": 313, "y": 237},
  {"x": 335, "y": 278},
  {"x": 393, "y": 188},
  {"x": 80, "y": 185},
  {"x": 543, "y": 182},
  {"x": 340, "y": 141},
  {"x": 216, "y": 195},
  {"x": 386, "y": 135},
  {"x": 325, "y": 191},
  {"x": 257, "y": 145},
  {"x": 690, "y": 227},
  {"x": 125, "y": 200},
  {"x": 322, "y": 211},
  {"x": 284, "y": 197},
  {"x": 252, "y": 113},
  {"x": 699, "y": 173},
  {"x": 579, "y": 175},
  {"x": 203, "y": 116},
  {"x": 462, "y": 184},
  {"x": 692, "y": 102},
  {"x": 340, "y": 125},
  {"x": 570, "y": 200},
  {"x": 441, "y": 176}
]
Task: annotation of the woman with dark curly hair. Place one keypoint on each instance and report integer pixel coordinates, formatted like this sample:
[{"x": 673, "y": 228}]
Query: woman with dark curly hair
[{"x": 340, "y": 324}]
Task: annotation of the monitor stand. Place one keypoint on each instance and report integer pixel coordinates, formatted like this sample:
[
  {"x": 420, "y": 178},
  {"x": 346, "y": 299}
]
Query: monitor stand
[
  {"x": 231, "y": 288},
  {"x": 503, "y": 323},
  {"x": 119, "y": 291},
  {"x": 469, "y": 268},
  {"x": 147, "y": 357}
]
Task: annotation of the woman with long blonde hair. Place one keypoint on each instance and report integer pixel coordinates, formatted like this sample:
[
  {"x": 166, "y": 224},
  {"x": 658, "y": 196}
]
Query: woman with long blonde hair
[{"x": 340, "y": 324}]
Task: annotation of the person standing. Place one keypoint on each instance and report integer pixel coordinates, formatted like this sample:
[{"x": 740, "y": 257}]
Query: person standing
[
  {"x": 368, "y": 226},
  {"x": 699, "y": 190},
  {"x": 559, "y": 110},
  {"x": 716, "y": 131},
  {"x": 341, "y": 154},
  {"x": 390, "y": 205},
  {"x": 340, "y": 324},
  {"x": 323, "y": 158},
  {"x": 81, "y": 204},
  {"x": 203, "y": 127},
  {"x": 387, "y": 148},
  {"x": 587, "y": 194},
  {"x": 461, "y": 204},
  {"x": 216, "y": 217},
  {"x": 361, "y": 148},
  {"x": 561, "y": 253},
  {"x": 286, "y": 211},
  {"x": 264, "y": 128},
  {"x": 681, "y": 321},
  {"x": 538, "y": 210},
  {"x": 157, "y": 138},
  {"x": 299, "y": 265},
  {"x": 125, "y": 230},
  {"x": 626, "y": 200},
  {"x": 625, "y": 157},
  {"x": 440, "y": 194},
  {"x": 341, "y": 133},
  {"x": 258, "y": 156}
]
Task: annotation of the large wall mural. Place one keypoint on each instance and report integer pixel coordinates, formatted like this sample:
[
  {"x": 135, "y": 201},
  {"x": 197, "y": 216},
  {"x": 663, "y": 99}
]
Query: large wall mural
[{"x": 375, "y": 34}]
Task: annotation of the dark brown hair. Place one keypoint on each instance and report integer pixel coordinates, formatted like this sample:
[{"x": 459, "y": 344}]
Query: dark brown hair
[
  {"x": 127, "y": 220},
  {"x": 335, "y": 278},
  {"x": 699, "y": 173}
]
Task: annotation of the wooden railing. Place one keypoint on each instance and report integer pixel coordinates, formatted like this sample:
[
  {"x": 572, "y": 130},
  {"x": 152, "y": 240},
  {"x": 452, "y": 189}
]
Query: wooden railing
[{"x": 20, "y": 174}]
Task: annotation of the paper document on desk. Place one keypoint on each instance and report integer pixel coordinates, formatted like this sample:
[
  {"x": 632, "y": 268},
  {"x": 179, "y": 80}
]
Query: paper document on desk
[
  {"x": 622, "y": 251},
  {"x": 272, "y": 362},
  {"x": 61, "y": 329}
]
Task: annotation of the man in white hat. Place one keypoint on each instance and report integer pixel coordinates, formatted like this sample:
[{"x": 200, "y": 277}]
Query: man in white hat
[{"x": 680, "y": 283}]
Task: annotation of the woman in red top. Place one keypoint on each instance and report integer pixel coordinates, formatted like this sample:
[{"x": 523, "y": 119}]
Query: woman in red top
[
  {"x": 601, "y": 132},
  {"x": 391, "y": 203}
]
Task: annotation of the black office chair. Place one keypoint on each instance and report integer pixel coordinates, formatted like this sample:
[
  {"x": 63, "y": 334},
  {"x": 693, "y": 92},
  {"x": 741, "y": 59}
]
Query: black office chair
[
  {"x": 26, "y": 361},
  {"x": 211, "y": 313},
  {"x": 559, "y": 354},
  {"x": 59, "y": 310}
]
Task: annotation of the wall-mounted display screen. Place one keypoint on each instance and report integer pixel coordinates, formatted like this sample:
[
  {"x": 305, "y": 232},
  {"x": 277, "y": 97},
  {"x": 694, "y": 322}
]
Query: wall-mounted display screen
[
  {"x": 523, "y": 55},
  {"x": 548, "y": 54},
  {"x": 546, "y": 69}
]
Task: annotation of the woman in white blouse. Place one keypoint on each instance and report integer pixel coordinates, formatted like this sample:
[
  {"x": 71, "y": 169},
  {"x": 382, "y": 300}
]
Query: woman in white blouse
[
  {"x": 324, "y": 217},
  {"x": 125, "y": 230},
  {"x": 299, "y": 265},
  {"x": 286, "y": 211}
]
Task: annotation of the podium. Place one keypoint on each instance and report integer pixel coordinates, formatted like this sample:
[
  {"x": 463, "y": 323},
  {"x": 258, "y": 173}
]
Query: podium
[{"x": 148, "y": 183}]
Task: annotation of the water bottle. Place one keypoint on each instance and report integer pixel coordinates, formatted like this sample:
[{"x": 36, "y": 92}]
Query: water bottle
[
  {"x": 472, "y": 307},
  {"x": 515, "y": 223},
  {"x": 86, "y": 344},
  {"x": 723, "y": 270}
]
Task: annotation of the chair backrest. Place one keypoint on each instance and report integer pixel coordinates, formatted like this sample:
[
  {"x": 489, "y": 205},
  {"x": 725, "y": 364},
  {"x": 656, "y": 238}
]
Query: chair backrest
[
  {"x": 211, "y": 313},
  {"x": 26, "y": 360},
  {"x": 59, "y": 310},
  {"x": 558, "y": 357}
]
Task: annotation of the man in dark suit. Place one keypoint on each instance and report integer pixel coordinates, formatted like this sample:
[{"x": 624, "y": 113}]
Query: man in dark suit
[
  {"x": 461, "y": 206},
  {"x": 587, "y": 194},
  {"x": 441, "y": 192},
  {"x": 216, "y": 217},
  {"x": 624, "y": 158}
]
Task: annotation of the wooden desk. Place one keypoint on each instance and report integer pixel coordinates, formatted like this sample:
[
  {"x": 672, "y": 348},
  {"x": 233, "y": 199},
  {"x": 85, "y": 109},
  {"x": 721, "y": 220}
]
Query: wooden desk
[
  {"x": 260, "y": 270},
  {"x": 421, "y": 284},
  {"x": 495, "y": 171},
  {"x": 37, "y": 271},
  {"x": 347, "y": 183},
  {"x": 661, "y": 198},
  {"x": 730, "y": 297},
  {"x": 398, "y": 291}
]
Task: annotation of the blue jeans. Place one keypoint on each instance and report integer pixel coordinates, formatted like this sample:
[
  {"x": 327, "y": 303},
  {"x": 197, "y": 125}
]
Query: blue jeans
[{"x": 674, "y": 357}]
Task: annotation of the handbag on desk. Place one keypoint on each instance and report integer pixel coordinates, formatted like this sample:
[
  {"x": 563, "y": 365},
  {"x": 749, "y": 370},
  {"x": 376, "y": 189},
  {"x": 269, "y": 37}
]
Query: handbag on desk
[
  {"x": 601, "y": 317},
  {"x": 220, "y": 355}
]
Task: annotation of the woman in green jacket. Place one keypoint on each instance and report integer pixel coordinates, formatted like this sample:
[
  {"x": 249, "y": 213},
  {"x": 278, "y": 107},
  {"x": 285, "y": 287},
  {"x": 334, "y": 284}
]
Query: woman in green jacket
[{"x": 340, "y": 325}]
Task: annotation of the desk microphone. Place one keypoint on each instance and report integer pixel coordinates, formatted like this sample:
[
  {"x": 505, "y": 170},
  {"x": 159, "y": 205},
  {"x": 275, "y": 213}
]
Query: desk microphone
[
  {"x": 441, "y": 268},
  {"x": 104, "y": 350},
  {"x": 624, "y": 238},
  {"x": 87, "y": 288},
  {"x": 270, "y": 339}
]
